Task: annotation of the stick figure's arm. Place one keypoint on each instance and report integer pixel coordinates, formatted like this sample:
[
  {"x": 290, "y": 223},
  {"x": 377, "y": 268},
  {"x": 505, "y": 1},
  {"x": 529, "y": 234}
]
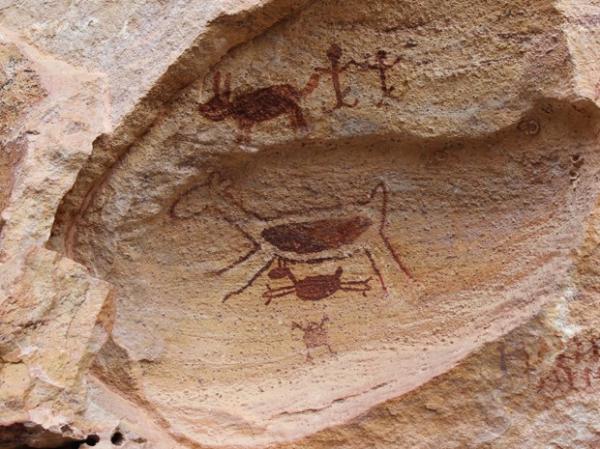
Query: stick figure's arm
[
  {"x": 361, "y": 65},
  {"x": 396, "y": 61},
  {"x": 352, "y": 62},
  {"x": 324, "y": 70}
]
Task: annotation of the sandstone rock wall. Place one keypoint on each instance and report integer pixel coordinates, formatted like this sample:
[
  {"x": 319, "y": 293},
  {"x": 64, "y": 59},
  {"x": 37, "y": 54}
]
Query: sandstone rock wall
[{"x": 299, "y": 224}]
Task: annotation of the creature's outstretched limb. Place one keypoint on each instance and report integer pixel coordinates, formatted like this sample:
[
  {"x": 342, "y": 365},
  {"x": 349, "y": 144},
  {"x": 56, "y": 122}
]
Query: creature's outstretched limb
[
  {"x": 236, "y": 277},
  {"x": 273, "y": 293}
]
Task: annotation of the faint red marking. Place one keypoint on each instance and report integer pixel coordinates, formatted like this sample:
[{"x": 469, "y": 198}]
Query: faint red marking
[
  {"x": 302, "y": 241},
  {"x": 575, "y": 369},
  {"x": 315, "y": 336}
]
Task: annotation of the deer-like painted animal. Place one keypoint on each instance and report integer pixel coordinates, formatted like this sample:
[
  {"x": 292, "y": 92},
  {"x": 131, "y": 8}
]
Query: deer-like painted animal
[{"x": 257, "y": 106}]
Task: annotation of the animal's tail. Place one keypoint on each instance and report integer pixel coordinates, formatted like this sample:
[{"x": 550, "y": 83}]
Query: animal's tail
[{"x": 311, "y": 85}]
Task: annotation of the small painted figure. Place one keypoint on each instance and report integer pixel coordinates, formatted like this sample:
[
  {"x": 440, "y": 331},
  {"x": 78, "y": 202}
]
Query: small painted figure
[
  {"x": 334, "y": 54},
  {"x": 256, "y": 106},
  {"x": 315, "y": 335},
  {"x": 311, "y": 288},
  {"x": 382, "y": 66}
]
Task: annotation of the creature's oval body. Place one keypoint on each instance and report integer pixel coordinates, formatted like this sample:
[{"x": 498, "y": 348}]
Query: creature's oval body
[
  {"x": 266, "y": 103},
  {"x": 316, "y": 236},
  {"x": 315, "y": 288}
]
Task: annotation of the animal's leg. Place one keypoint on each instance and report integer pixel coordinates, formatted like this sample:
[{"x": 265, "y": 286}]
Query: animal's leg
[
  {"x": 362, "y": 290},
  {"x": 297, "y": 118},
  {"x": 395, "y": 282},
  {"x": 366, "y": 288},
  {"x": 280, "y": 289},
  {"x": 358, "y": 286},
  {"x": 363, "y": 282},
  {"x": 379, "y": 200},
  {"x": 376, "y": 270},
  {"x": 271, "y": 294},
  {"x": 239, "y": 277},
  {"x": 245, "y": 127},
  {"x": 331, "y": 351}
]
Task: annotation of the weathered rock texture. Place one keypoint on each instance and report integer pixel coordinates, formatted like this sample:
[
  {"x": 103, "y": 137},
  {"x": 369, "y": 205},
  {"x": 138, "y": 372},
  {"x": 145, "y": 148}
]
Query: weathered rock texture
[{"x": 300, "y": 224}]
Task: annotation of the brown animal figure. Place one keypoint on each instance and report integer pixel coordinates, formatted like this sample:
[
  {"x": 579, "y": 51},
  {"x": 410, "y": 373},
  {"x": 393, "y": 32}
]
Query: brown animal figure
[
  {"x": 306, "y": 236},
  {"x": 256, "y": 106},
  {"x": 315, "y": 335},
  {"x": 312, "y": 288}
]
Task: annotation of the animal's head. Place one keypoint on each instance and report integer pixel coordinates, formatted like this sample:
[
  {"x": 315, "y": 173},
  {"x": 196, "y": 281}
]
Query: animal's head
[
  {"x": 280, "y": 272},
  {"x": 219, "y": 106}
]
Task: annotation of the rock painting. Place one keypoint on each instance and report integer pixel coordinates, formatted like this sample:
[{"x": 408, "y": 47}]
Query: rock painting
[
  {"x": 382, "y": 66},
  {"x": 576, "y": 368},
  {"x": 311, "y": 236},
  {"x": 267, "y": 103},
  {"x": 314, "y": 336},
  {"x": 311, "y": 288},
  {"x": 334, "y": 54},
  {"x": 256, "y": 106}
]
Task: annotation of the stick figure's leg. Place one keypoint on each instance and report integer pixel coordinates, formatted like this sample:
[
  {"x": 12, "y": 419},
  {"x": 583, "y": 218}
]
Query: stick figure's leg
[{"x": 331, "y": 351}]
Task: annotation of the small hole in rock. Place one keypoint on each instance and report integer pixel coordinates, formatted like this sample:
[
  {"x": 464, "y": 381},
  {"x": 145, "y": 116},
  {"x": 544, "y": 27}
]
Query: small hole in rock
[
  {"x": 92, "y": 440},
  {"x": 117, "y": 438}
]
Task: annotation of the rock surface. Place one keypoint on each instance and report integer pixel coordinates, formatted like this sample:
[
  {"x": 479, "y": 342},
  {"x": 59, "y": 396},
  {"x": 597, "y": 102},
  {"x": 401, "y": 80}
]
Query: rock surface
[{"x": 297, "y": 224}]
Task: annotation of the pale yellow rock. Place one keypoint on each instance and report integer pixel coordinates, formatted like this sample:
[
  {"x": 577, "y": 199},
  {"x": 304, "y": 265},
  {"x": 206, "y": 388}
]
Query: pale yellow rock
[
  {"x": 55, "y": 318},
  {"x": 300, "y": 224}
]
